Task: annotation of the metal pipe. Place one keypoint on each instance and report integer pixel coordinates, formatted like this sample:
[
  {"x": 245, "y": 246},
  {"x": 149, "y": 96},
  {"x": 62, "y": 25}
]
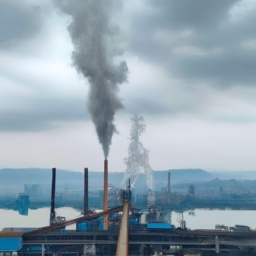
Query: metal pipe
[
  {"x": 217, "y": 245},
  {"x": 52, "y": 214},
  {"x": 123, "y": 236},
  {"x": 105, "y": 194},
  {"x": 85, "y": 191},
  {"x": 42, "y": 250},
  {"x": 70, "y": 222}
]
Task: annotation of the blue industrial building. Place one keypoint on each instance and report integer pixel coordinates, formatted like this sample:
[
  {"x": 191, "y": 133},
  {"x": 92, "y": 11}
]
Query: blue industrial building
[{"x": 10, "y": 244}]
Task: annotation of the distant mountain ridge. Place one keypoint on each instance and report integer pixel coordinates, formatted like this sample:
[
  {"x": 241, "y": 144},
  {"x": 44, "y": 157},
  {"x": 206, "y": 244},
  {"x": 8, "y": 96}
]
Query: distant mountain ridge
[
  {"x": 180, "y": 176},
  {"x": 183, "y": 175},
  {"x": 240, "y": 175},
  {"x": 14, "y": 179}
]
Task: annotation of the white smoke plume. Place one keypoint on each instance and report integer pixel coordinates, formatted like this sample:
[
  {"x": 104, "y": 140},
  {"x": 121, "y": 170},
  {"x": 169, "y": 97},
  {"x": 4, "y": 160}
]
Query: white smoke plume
[
  {"x": 137, "y": 161},
  {"x": 94, "y": 37}
]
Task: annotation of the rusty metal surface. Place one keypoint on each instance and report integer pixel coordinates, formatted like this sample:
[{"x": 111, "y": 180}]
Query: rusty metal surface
[
  {"x": 11, "y": 234},
  {"x": 105, "y": 208}
]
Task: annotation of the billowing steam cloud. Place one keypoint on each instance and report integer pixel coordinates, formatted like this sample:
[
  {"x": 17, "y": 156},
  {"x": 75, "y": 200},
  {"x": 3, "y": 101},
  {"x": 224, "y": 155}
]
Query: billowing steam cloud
[{"x": 93, "y": 36}]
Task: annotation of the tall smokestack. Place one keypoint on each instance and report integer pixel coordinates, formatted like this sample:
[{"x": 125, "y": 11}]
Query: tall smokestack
[
  {"x": 85, "y": 191},
  {"x": 169, "y": 187},
  {"x": 105, "y": 194},
  {"x": 52, "y": 214}
]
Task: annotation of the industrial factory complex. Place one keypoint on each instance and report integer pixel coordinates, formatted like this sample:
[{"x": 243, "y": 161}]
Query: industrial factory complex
[
  {"x": 129, "y": 223},
  {"x": 125, "y": 229},
  {"x": 72, "y": 72}
]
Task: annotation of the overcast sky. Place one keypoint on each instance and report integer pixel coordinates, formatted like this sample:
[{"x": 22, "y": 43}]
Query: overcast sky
[{"x": 191, "y": 75}]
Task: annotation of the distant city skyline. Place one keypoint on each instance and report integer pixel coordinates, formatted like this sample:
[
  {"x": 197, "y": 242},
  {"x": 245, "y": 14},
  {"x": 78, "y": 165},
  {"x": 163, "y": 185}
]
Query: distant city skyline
[{"x": 191, "y": 76}]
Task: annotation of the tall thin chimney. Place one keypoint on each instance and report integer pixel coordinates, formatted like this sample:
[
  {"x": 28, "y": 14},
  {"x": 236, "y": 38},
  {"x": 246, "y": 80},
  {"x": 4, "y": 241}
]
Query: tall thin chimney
[
  {"x": 52, "y": 214},
  {"x": 85, "y": 191},
  {"x": 105, "y": 194},
  {"x": 169, "y": 187},
  {"x": 123, "y": 235}
]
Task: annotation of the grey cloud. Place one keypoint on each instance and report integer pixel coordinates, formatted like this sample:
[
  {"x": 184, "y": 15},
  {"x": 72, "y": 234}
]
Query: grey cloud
[
  {"x": 42, "y": 113},
  {"x": 210, "y": 31},
  {"x": 196, "y": 14},
  {"x": 147, "y": 106},
  {"x": 157, "y": 104},
  {"x": 19, "y": 20},
  {"x": 224, "y": 70}
]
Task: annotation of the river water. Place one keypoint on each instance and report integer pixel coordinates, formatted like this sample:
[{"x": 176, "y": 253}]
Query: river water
[
  {"x": 36, "y": 218},
  {"x": 196, "y": 219},
  {"x": 207, "y": 219}
]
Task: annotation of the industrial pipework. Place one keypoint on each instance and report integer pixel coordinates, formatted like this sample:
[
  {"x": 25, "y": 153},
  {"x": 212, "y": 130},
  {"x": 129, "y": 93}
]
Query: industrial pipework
[{"x": 105, "y": 194}]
